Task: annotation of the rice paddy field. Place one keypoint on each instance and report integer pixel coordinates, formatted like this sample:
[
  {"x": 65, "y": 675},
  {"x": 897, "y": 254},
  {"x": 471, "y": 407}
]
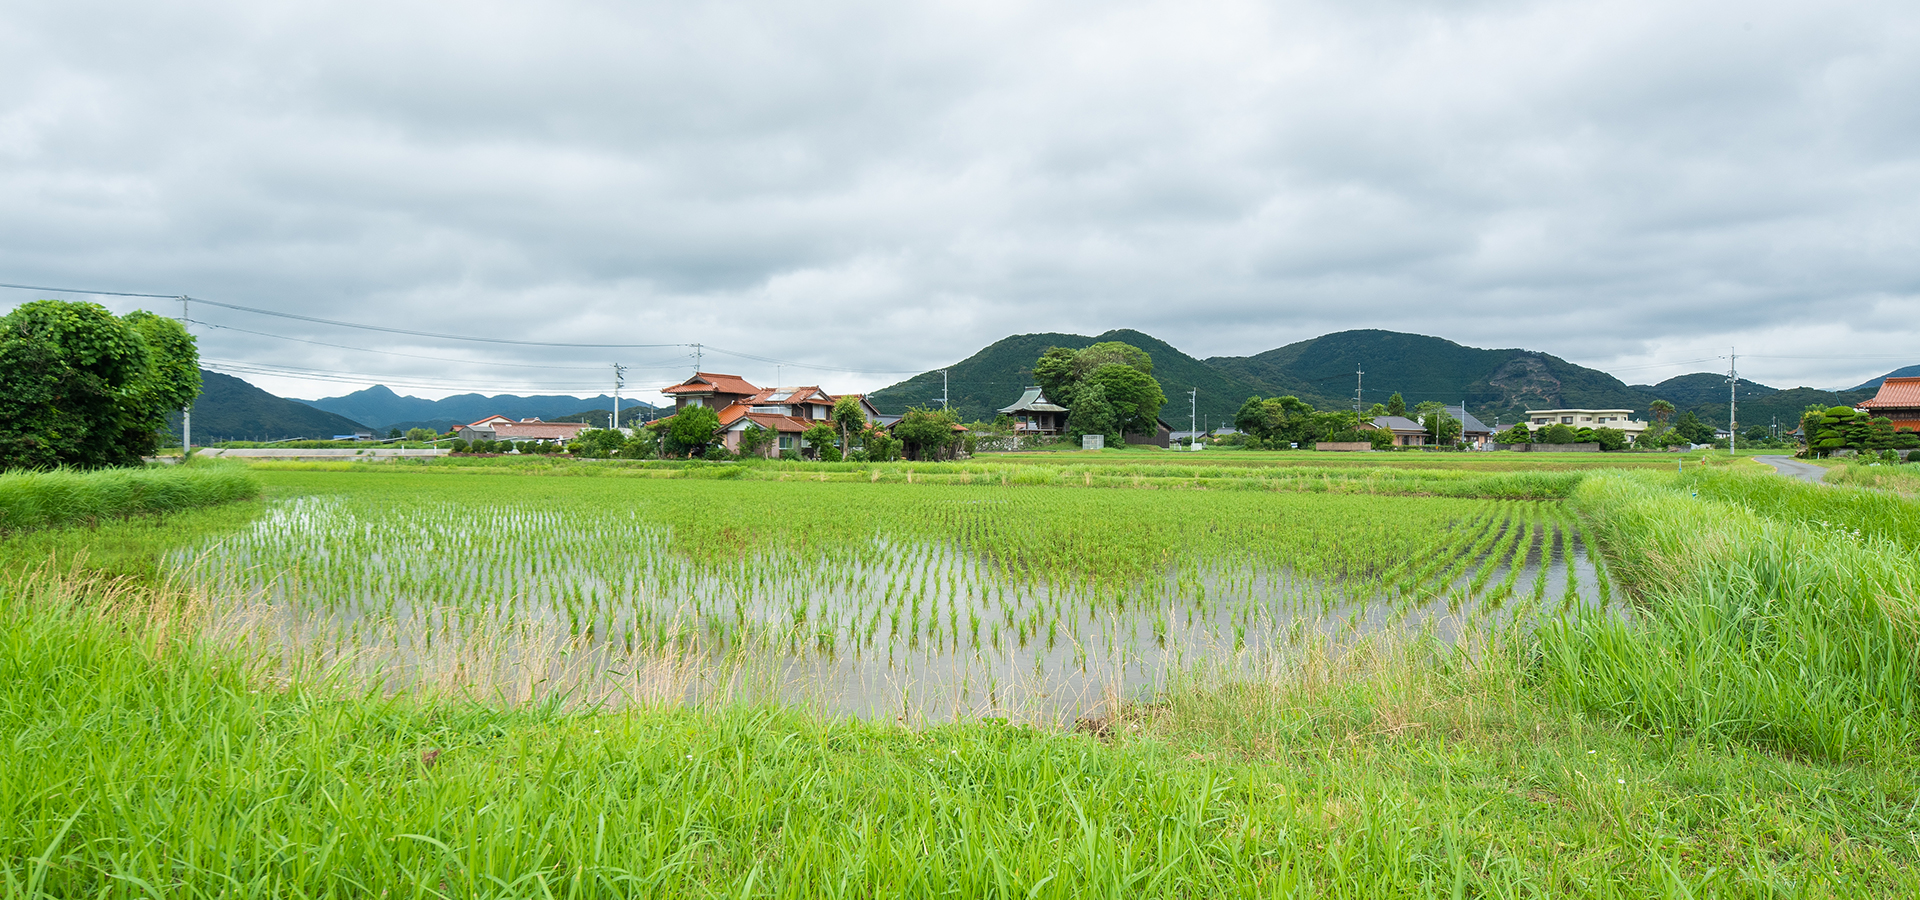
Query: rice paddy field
[{"x": 1103, "y": 676}]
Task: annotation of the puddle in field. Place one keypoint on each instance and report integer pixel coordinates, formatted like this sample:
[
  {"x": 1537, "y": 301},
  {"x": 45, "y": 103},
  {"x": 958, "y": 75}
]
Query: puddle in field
[{"x": 518, "y": 605}]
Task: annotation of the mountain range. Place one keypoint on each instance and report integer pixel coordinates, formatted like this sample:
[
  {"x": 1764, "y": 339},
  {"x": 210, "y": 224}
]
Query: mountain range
[
  {"x": 382, "y": 409},
  {"x": 1496, "y": 385}
]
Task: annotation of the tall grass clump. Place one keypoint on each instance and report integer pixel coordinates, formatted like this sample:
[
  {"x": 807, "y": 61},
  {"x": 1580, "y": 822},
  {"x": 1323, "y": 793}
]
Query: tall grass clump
[
  {"x": 1790, "y": 629},
  {"x": 64, "y": 497}
]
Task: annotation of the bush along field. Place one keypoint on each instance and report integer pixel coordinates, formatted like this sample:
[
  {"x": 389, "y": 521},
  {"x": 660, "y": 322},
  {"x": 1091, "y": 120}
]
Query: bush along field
[
  {"x": 431, "y": 683},
  {"x": 30, "y": 500}
]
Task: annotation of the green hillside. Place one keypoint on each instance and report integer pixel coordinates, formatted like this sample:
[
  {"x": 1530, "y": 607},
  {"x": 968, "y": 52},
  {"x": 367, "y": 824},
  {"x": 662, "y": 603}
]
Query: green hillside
[
  {"x": 1494, "y": 384},
  {"x": 994, "y": 377},
  {"x": 230, "y": 409},
  {"x": 1702, "y": 389}
]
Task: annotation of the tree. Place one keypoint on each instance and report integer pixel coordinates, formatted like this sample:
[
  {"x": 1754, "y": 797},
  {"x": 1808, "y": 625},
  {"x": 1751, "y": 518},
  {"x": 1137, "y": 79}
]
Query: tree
[
  {"x": 81, "y": 387},
  {"x": 925, "y": 432},
  {"x": 393, "y": 433},
  {"x": 1695, "y": 431},
  {"x": 1557, "y": 434},
  {"x": 1396, "y": 405},
  {"x": 820, "y": 438},
  {"x": 879, "y": 445},
  {"x": 852, "y": 419},
  {"x": 1611, "y": 440},
  {"x": 1124, "y": 373},
  {"x": 1518, "y": 434},
  {"x": 1377, "y": 410},
  {"x": 1092, "y": 414},
  {"x": 1661, "y": 411},
  {"x": 1441, "y": 427},
  {"x": 597, "y": 443},
  {"x": 420, "y": 434},
  {"x": 691, "y": 430},
  {"x": 1136, "y": 398},
  {"x": 755, "y": 439}
]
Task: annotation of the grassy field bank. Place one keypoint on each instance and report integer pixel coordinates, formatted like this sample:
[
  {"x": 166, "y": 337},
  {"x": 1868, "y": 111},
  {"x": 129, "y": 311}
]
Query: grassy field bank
[
  {"x": 1585, "y": 757},
  {"x": 31, "y": 500}
]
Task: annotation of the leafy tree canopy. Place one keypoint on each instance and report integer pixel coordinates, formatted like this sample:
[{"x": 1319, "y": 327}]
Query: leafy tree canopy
[
  {"x": 691, "y": 430},
  {"x": 1396, "y": 405},
  {"x": 926, "y": 432},
  {"x": 82, "y": 387},
  {"x": 1124, "y": 374}
]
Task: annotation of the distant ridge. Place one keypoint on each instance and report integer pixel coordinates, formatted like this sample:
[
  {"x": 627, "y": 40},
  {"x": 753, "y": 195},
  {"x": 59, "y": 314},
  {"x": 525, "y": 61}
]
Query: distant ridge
[
  {"x": 230, "y": 409},
  {"x": 1905, "y": 372},
  {"x": 381, "y": 408}
]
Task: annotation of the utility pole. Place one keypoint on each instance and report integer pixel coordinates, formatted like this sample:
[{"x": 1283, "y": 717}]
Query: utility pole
[
  {"x": 186, "y": 412},
  {"x": 619, "y": 376},
  {"x": 1193, "y": 417},
  {"x": 699, "y": 352},
  {"x": 1356, "y": 389},
  {"x": 1733, "y": 394}
]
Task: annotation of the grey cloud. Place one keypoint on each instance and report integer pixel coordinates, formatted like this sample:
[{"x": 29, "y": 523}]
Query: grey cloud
[{"x": 887, "y": 187}]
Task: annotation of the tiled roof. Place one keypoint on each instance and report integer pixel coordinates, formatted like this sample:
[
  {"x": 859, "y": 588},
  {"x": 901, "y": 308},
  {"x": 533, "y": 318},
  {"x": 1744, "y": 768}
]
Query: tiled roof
[
  {"x": 493, "y": 418},
  {"x": 1896, "y": 393},
  {"x": 704, "y": 382},
  {"x": 1033, "y": 401},
  {"x": 1397, "y": 423}
]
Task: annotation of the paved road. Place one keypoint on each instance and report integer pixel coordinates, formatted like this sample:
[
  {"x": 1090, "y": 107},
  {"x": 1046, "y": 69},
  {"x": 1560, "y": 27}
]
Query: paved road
[{"x": 1793, "y": 468}]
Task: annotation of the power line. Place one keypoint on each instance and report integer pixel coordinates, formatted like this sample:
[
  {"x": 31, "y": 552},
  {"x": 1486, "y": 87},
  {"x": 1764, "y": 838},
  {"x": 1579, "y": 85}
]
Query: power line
[{"x": 35, "y": 287}]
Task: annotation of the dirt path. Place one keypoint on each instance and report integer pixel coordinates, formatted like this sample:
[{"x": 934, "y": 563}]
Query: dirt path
[{"x": 1793, "y": 468}]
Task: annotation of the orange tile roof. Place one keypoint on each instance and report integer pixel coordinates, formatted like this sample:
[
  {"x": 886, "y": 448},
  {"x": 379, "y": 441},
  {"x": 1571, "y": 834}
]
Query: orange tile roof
[
  {"x": 1896, "y": 393},
  {"x": 703, "y": 382}
]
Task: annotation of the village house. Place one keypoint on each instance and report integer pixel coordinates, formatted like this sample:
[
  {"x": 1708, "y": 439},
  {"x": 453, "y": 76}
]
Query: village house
[
  {"x": 501, "y": 428},
  {"x": 786, "y": 411},
  {"x": 1899, "y": 400},
  {"x": 1617, "y": 419},
  {"x": 1473, "y": 431},
  {"x": 1406, "y": 432}
]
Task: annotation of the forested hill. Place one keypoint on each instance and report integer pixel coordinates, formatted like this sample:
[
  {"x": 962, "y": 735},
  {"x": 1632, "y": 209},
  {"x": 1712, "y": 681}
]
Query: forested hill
[
  {"x": 1494, "y": 384},
  {"x": 230, "y": 409},
  {"x": 994, "y": 377},
  {"x": 1497, "y": 385}
]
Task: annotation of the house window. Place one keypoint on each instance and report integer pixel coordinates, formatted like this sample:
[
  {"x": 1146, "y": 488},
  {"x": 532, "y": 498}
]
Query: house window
[
  {"x": 1540, "y": 421},
  {"x": 1566, "y": 420},
  {"x": 786, "y": 442}
]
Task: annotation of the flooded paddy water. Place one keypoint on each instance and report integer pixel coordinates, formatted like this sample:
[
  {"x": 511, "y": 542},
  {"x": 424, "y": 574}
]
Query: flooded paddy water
[{"x": 520, "y": 602}]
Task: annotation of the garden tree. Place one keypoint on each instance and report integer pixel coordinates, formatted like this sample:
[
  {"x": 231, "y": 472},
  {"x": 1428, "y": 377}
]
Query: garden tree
[
  {"x": 1376, "y": 410},
  {"x": 1340, "y": 426},
  {"x": 690, "y": 430},
  {"x": 1276, "y": 419},
  {"x": 393, "y": 433},
  {"x": 1557, "y": 434},
  {"x": 879, "y": 446},
  {"x": 1054, "y": 373},
  {"x": 420, "y": 434},
  {"x": 1442, "y": 428},
  {"x": 1518, "y": 434},
  {"x": 643, "y": 444},
  {"x": 1396, "y": 405},
  {"x": 1695, "y": 431},
  {"x": 1881, "y": 435},
  {"x": 1611, "y": 440},
  {"x": 81, "y": 387},
  {"x": 852, "y": 419},
  {"x": 925, "y": 432},
  {"x": 1092, "y": 414},
  {"x": 820, "y": 438},
  {"x": 755, "y": 439},
  {"x": 597, "y": 443},
  {"x": 1661, "y": 410},
  {"x": 1381, "y": 438}
]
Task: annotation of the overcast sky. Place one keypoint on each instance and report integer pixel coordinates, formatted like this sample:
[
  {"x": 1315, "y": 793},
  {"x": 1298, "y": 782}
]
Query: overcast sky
[{"x": 886, "y": 187}]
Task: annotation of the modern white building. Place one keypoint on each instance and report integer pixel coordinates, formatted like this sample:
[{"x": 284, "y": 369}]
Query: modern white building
[{"x": 1617, "y": 419}]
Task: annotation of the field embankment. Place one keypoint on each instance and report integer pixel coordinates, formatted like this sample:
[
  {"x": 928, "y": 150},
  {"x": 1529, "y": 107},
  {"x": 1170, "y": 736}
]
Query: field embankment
[
  {"x": 1768, "y": 610},
  {"x": 30, "y": 500}
]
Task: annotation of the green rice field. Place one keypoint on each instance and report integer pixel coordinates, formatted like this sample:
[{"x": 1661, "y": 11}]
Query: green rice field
[{"x": 1103, "y": 675}]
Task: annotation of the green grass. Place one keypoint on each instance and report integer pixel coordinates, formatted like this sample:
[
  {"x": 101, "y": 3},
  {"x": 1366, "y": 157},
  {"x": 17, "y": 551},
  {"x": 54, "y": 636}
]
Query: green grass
[
  {"x": 1666, "y": 756},
  {"x": 30, "y": 500}
]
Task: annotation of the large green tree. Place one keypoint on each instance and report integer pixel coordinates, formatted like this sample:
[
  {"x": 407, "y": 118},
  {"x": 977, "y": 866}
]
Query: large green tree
[
  {"x": 690, "y": 430},
  {"x": 84, "y": 388},
  {"x": 1124, "y": 374}
]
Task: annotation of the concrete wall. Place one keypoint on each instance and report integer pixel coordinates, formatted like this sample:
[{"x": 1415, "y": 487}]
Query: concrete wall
[{"x": 1344, "y": 446}]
